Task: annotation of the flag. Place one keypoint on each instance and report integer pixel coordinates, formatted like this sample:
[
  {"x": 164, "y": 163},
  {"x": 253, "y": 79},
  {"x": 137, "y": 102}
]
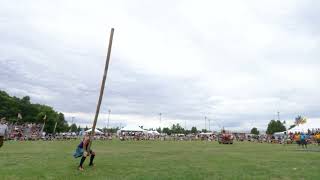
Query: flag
[{"x": 19, "y": 116}]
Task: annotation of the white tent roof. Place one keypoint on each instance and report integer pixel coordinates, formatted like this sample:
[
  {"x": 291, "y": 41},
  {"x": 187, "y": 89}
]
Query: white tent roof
[
  {"x": 208, "y": 133},
  {"x": 279, "y": 133},
  {"x": 96, "y": 131},
  {"x": 133, "y": 128},
  {"x": 154, "y": 132}
]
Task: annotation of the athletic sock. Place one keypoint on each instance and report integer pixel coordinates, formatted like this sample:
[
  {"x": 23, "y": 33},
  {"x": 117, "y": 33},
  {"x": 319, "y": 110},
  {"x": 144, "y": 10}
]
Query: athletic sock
[
  {"x": 91, "y": 160},
  {"x": 82, "y": 161}
]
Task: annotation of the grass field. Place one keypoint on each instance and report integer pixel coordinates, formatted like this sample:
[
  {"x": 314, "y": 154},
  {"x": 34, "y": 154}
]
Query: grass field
[{"x": 159, "y": 160}]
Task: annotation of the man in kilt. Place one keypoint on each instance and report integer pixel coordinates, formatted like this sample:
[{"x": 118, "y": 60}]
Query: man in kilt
[{"x": 84, "y": 151}]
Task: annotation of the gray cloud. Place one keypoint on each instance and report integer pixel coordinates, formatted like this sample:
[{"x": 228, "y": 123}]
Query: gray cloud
[{"x": 236, "y": 64}]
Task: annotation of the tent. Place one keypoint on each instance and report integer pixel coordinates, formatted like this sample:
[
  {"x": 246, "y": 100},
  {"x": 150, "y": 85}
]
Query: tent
[
  {"x": 153, "y": 133},
  {"x": 279, "y": 133},
  {"x": 96, "y": 131},
  {"x": 130, "y": 128},
  {"x": 207, "y": 133}
]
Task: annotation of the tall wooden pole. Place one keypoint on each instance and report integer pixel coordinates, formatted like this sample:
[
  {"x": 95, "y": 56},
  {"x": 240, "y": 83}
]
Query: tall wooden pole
[{"x": 102, "y": 87}]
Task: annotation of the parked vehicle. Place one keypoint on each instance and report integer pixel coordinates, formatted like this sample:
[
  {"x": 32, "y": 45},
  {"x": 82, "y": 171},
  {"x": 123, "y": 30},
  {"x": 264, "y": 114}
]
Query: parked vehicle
[{"x": 225, "y": 138}]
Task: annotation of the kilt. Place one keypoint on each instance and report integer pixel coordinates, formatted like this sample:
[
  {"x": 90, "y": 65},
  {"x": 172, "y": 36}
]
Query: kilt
[{"x": 78, "y": 152}]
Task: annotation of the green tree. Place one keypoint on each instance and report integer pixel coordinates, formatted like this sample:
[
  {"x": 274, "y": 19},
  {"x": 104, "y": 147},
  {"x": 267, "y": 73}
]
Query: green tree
[
  {"x": 79, "y": 129},
  {"x": 62, "y": 125},
  {"x": 204, "y": 130},
  {"x": 177, "y": 129},
  {"x": 173, "y": 129},
  {"x": 113, "y": 130},
  {"x": 86, "y": 128},
  {"x": 194, "y": 130},
  {"x": 180, "y": 129},
  {"x": 255, "y": 131},
  {"x": 275, "y": 126},
  {"x": 166, "y": 131},
  {"x": 73, "y": 127},
  {"x": 11, "y": 106},
  {"x": 159, "y": 130}
]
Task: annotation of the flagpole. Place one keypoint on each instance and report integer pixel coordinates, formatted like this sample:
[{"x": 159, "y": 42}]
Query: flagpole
[
  {"x": 55, "y": 126},
  {"x": 19, "y": 117},
  {"x": 44, "y": 123},
  {"x": 102, "y": 87},
  {"x": 109, "y": 111}
]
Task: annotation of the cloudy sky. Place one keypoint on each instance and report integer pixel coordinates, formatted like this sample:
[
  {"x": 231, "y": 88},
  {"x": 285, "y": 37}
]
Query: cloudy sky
[{"x": 236, "y": 62}]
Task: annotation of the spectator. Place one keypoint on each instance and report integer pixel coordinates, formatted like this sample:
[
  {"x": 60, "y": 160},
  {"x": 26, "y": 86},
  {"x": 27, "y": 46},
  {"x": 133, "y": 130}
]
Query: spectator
[{"x": 3, "y": 131}]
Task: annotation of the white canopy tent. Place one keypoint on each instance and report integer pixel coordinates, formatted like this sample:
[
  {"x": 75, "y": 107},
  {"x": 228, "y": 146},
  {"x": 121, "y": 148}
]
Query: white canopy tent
[
  {"x": 279, "y": 133},
  {"x": 207, "y": 133},
  {"x": 96, "y": 131},
  {"x": 153, "y": 133},
  {"x": 132, "y": 128}
]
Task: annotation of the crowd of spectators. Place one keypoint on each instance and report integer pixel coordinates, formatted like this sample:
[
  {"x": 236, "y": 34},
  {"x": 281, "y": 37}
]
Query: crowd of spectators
[
  {"x": 28, "y": 131},
  {"x": 31, "y": 131},
  {"x": 313, "y": 136}
]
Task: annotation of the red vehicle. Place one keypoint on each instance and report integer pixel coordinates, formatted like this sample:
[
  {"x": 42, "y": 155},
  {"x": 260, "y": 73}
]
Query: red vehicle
[{"x": 225, "y": 138}]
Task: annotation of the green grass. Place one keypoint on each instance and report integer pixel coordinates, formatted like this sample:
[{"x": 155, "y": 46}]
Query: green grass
[{"x": 159, "y": 160}]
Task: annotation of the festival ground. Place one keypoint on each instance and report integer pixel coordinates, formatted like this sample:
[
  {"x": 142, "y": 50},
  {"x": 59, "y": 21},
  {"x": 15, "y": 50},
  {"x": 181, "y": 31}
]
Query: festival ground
[{"x": 159, "y": 160}]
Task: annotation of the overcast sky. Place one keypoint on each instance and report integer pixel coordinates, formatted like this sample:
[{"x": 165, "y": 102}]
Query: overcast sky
[{"x": 236, "y": 62}]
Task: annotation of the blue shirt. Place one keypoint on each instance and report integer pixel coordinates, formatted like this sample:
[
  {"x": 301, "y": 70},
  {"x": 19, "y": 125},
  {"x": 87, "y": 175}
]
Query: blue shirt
[{"x": 303, "y": 137}]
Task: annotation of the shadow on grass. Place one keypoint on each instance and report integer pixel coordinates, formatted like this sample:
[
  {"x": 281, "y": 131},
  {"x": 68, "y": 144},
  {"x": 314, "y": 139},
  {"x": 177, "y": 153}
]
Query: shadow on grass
[{"x": 309, "y": 149}]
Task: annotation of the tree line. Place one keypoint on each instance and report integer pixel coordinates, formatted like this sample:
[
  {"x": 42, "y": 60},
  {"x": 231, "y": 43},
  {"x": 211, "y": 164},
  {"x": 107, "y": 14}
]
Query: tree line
[
  {"x": 21, "y": 110},
  {"x": 278, "y": 126},
  {"x": 178, "y": 129}
]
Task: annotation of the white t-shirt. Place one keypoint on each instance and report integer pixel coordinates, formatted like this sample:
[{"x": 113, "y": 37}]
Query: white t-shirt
[{"x": 3, "y": 129}]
